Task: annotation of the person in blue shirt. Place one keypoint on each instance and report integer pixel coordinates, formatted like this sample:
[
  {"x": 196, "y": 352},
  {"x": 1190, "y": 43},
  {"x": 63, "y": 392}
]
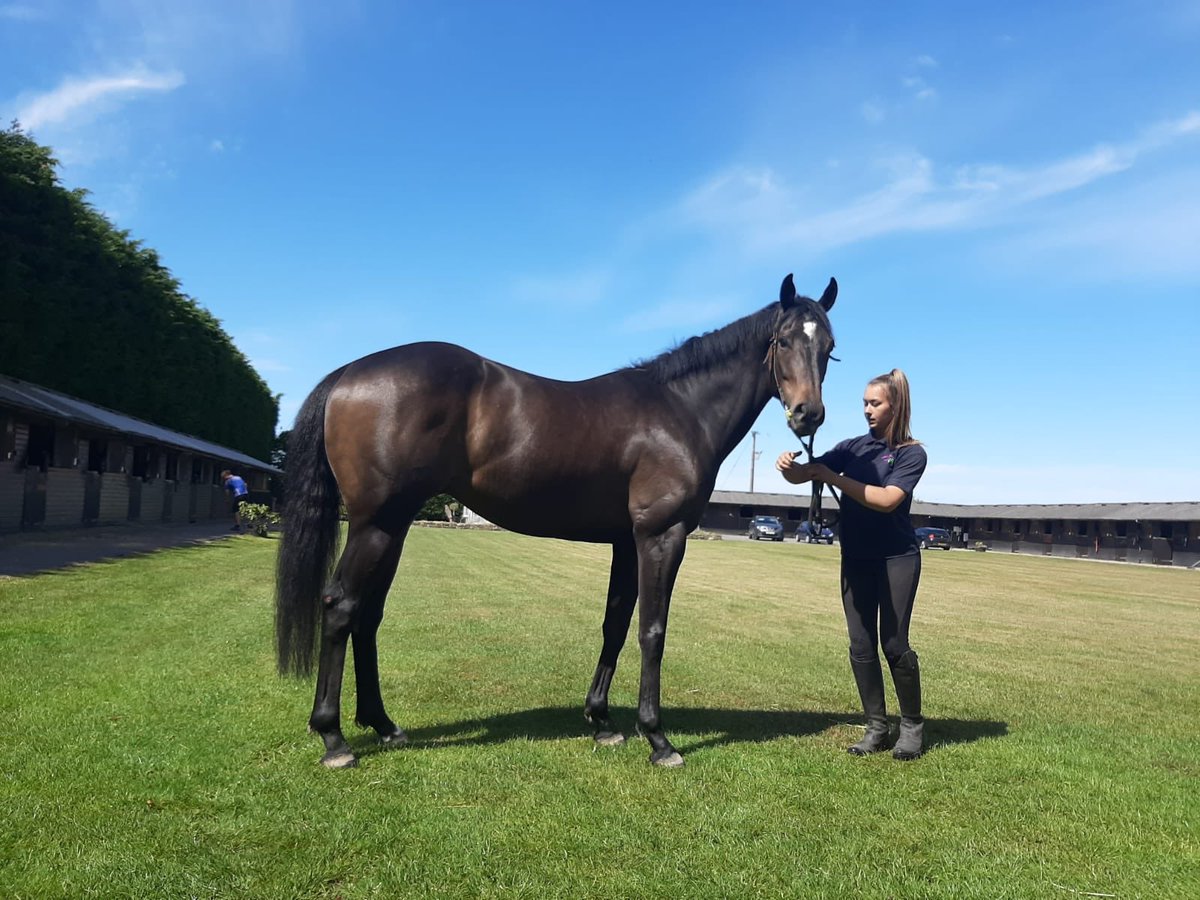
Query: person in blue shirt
[
  {"x": 881, "y": 560},
  {"x": 240, "y": 493}
]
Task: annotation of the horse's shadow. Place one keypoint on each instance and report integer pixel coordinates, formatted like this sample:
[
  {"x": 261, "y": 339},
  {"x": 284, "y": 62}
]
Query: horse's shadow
[{"x": 691, "y": 728}]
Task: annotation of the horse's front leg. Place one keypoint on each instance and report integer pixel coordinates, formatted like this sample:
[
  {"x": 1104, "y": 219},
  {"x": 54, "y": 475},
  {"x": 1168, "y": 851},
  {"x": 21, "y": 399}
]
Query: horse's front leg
[
  {"x": 622, "y": 596},
  {"x": 659, "y": 557}
]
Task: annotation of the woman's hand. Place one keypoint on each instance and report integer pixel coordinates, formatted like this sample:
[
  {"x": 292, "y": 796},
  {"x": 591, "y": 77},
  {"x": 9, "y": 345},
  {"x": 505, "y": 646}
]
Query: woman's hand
[{"x": 800, "y": 473}]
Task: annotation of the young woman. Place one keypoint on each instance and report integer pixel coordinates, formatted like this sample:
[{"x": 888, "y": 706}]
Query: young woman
[{"x": 881, "y": 561}]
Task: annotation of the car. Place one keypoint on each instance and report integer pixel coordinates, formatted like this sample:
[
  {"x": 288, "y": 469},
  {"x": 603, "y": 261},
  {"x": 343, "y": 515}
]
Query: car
[
  {"x": 818, "y": 532},
  {"x": 766, "y": 527},
  {"x": 933, "y": 537}
]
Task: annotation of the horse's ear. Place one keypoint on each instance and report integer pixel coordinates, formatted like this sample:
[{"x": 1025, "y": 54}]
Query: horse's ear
[
  {"x": 829, "y": 296},
  {"x": 787, "y": 293}
]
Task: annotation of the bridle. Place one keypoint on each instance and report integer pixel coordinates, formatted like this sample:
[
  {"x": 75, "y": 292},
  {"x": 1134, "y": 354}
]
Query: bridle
[
  {"x": 770, "y": 362},
  {"x": 814, "y": 503}
]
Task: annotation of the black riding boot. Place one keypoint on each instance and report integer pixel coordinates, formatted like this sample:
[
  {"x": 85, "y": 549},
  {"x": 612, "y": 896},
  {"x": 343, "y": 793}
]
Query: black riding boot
[
  {"x": 906, "y": 675},
  {"x": 868, "y": 675}
]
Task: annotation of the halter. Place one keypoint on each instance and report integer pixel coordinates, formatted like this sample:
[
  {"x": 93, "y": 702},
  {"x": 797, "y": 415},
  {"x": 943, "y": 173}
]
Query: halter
[
  {"x": 769, "y": 360},
  {"x": 814, "y": 503}
]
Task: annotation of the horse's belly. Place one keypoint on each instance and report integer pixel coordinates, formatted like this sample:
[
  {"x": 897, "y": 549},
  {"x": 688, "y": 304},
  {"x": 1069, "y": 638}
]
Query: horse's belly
[{"x": 554, "y": 512}]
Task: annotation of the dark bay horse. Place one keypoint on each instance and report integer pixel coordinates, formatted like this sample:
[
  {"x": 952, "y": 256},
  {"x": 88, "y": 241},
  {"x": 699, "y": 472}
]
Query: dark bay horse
[{"x": 628, "y": 459}]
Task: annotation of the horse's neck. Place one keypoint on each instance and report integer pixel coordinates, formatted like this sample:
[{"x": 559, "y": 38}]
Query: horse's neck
[{"x": 725, "y": 401}]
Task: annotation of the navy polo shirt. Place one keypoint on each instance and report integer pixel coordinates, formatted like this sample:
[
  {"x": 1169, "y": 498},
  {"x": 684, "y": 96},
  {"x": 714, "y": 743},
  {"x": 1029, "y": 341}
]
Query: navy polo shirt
[{"x": 866, "y": 533}]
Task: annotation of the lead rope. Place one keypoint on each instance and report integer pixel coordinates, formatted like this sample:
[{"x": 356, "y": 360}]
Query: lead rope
[{"x": 814, "y": 501}]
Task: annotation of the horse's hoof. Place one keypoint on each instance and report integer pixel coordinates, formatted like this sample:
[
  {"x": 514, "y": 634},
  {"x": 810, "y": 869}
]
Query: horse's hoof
[
  {"x": 609, "y": 738},
  {"x": 342, "y": 759},
  {"x": 668, "y": 760},
  {"x": 395, "y": 740}
]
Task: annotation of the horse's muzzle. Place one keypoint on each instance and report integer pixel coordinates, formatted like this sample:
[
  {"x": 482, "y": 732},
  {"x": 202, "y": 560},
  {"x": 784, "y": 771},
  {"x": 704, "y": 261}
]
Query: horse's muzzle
[{"x": 805, "y": 422}]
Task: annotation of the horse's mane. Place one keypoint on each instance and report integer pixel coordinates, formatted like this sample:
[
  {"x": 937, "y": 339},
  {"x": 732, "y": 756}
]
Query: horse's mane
[{"x": 704, "y": 352}]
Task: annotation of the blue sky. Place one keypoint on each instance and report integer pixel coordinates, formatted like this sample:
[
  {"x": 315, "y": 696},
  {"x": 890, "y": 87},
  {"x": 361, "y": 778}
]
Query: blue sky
[{"x": 1008, "y": 195}]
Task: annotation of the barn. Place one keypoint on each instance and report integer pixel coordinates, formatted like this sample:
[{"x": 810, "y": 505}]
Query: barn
[
  {"x": 1128, "y": 532},
  {"x": 65, "y": 462}
]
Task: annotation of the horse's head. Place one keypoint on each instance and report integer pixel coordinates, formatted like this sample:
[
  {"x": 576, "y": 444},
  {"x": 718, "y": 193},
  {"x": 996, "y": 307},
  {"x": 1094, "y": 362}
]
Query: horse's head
[{"x": 800, "y": 351}]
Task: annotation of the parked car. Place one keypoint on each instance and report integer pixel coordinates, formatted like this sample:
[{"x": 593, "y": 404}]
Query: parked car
[
  {"x": 766, "y": 527},
  {"x": 818, "y": 532},
  {"x": 933, "y": 537}
]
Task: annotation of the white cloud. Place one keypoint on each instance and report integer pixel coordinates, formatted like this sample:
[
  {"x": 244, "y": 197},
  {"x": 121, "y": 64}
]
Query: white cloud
[
  {"x": 762, "y": 211},
  {"x": 926, "y": 61},
  {"x": 217, "y": 146},
  {"x": 919, "y": 88},
  {"x": 136, "y": 48},
  {"x": 82, "y": 98},
  {"x": 1148, "y": 227}
]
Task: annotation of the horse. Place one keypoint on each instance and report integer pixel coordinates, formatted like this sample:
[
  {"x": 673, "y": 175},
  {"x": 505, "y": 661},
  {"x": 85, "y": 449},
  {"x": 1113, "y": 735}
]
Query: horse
[{"x": 629, "y": 458}]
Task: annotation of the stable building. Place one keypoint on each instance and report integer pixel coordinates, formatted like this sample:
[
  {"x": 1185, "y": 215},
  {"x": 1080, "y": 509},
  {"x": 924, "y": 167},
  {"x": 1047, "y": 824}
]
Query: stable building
[
  {"x": 1127, "y": 532},
  {"x": 65, "y": 462}
]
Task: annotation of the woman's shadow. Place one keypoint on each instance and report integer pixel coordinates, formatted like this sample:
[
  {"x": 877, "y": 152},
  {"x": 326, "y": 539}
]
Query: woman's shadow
[{"x": 691, "y": 728}]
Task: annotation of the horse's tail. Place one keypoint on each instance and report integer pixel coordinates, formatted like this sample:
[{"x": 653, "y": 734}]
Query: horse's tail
[{"x": 310, "y": 530}]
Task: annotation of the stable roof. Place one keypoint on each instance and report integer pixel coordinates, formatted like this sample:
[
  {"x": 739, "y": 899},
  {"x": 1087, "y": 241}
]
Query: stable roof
[{"x": 37, "y": 400}]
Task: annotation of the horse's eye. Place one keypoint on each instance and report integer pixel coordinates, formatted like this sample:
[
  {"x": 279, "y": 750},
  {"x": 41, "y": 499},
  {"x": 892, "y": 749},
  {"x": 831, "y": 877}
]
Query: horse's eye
[{"x": 784, "y": 343}]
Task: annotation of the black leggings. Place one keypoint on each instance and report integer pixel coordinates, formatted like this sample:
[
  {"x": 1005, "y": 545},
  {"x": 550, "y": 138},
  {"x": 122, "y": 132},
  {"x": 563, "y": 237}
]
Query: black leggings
[{"x": 878, "y": 597}]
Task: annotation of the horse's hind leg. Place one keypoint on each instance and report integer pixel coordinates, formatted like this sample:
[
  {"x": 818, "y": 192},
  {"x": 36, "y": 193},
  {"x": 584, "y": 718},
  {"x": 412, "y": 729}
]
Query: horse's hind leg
[
  {"x": 363, "y": 574},
  {"x": 369, "y": 711},
  {"x": 622, "y": 596}
]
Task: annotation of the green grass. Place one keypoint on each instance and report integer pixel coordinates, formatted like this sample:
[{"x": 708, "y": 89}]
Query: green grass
[{"x": 150, "y": 750}]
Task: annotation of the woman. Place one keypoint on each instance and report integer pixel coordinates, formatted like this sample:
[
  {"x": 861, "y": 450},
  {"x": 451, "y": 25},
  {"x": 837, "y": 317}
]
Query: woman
[{"x": 881, "y": 562}]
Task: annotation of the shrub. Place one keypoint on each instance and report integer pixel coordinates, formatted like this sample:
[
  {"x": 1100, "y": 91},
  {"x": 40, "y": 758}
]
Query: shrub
[
  {"x": 259, "y": 518},
  {"x": 434, "y": 509}
]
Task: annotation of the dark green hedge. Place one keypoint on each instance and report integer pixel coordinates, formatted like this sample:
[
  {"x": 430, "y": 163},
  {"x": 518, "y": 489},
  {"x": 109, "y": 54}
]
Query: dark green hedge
[{"x": 87, "y": 310}]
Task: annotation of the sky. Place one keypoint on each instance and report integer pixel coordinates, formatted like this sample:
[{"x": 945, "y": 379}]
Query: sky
[{"x": 1007, "y": 194}]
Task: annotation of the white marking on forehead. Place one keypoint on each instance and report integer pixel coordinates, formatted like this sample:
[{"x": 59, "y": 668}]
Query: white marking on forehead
[{"x": 810, "y": 328}]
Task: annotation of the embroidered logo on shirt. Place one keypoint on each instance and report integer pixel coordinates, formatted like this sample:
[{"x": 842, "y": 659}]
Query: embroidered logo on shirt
[{"x": 890, "y": 459}]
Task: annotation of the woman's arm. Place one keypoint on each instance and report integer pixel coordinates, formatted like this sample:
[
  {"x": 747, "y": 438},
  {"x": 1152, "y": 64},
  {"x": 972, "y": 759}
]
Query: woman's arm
[{"x": 881, "y": 499}]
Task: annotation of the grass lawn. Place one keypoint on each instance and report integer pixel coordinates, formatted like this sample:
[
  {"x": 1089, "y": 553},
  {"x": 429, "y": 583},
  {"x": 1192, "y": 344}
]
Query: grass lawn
[{"x": 152, "y": 751}]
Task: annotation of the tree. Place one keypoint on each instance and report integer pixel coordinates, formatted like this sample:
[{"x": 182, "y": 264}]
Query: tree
[
  {"x": 88, "y": 310},
  {"x": 279, "y": 446},
  {"x": 434, "y": 509}
]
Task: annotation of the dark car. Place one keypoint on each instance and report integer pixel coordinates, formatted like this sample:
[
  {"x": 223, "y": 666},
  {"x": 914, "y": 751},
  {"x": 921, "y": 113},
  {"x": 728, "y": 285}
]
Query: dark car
[
  {"x": 933, "y": 537},
  {"x": 815, "y": 533},
  {"x": 766, "y": 527}
]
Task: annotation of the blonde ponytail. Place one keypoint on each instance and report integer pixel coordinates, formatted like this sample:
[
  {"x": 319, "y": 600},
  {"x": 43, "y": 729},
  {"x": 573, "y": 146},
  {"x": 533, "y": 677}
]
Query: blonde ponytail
[{"x": 895, "y": 383}]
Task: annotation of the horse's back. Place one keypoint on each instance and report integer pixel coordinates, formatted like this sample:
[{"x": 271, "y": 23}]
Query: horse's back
[{"x": 431, "y": 417}]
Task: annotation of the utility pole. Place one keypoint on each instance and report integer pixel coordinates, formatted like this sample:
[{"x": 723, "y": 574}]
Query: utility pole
[{"x": 754, "y": 455}]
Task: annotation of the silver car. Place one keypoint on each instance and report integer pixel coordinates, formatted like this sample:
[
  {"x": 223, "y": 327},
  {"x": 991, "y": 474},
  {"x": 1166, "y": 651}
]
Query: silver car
[{"x": 766, "y": 528}]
